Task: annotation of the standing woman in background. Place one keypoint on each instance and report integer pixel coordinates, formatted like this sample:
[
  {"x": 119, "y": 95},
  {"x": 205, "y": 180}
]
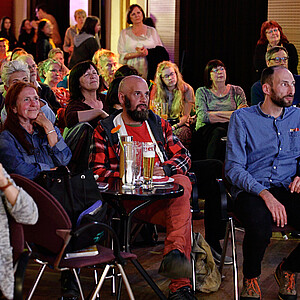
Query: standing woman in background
[
  {"x": 44, "y": 41},
  {"x": 86, "y": 43},
  {"x": 27, "y": 37},
  {"x": 6, "y": 32},
  {"x": 136, "y": 39},
  {"x": 271, "y": 35},
  {"x": 79, "y": 16}
]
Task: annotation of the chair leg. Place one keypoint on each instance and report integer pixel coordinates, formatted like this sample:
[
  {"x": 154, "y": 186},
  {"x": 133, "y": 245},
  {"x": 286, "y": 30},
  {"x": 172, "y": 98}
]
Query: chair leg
[
  {"x": 100, "y": 283},
  {"x": 126, "y": 282},
  {"x": 234, "y": 258},
  {"x": 230, "y": 229},
  {"x": 225, "y": 245},
  {"x": 79, "y": 284},
  {"x": 193, "y": 261},
  {"x": 38, "y": 277},
  {"x": 119, "y": 288},
  {"x": 96, "y": 281}
]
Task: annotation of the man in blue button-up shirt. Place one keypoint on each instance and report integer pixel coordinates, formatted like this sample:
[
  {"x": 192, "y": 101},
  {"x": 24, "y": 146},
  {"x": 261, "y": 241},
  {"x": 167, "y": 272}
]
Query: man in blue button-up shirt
[{"x": 262, "y": 154}]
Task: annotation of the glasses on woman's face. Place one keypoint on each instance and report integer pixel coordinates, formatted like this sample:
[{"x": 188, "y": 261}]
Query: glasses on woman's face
[
  {"x": 167, "y": 76},
  {"x": 273, "y": 30},
  {"x": 279, "y": 60},
  {"x": 215, "y": 70}
]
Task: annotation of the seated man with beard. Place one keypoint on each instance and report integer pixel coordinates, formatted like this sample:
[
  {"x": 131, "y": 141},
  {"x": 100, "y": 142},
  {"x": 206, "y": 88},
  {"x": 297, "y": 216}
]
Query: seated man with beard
[
  {"x": 262, "y": 164},
  {"x": 174, "y": 161}
]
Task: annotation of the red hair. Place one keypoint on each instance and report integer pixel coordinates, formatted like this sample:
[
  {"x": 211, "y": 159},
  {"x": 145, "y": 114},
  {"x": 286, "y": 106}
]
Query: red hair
[
  {"x": 12, "y": 123},
  {"x": 267, "y": 25}
]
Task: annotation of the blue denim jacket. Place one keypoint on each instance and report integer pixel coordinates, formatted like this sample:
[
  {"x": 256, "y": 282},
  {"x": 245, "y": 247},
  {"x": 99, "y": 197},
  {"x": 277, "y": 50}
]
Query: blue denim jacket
[
  {"x": 16, "y": 160},
  {"x": 262, "y": 151}
]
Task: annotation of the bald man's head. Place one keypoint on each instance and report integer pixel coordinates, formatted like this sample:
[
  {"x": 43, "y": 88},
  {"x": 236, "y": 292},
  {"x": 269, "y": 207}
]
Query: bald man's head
[{"x": 134, "y": 97}]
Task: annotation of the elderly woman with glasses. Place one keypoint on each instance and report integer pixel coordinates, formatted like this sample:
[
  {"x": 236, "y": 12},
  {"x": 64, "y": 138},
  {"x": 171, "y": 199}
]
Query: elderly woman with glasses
[
  {"x": 271, "y": 35},
  {"x": 215, "y": 103}
]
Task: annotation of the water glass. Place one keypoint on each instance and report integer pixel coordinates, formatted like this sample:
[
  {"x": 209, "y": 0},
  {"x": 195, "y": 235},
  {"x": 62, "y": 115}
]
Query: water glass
[
  {"x": 138, "y": 162},
  {"x": 129, "y": 171}
]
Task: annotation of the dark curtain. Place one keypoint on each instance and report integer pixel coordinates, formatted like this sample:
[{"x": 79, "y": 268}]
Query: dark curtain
[
  {"x": 223, "y": 29},
  {"x": 98, "y": 10}
]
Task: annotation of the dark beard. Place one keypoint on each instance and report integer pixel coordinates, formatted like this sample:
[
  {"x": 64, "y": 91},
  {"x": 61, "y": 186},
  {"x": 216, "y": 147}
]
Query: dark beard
[
  {"x": 280, "y": 102},
  {"x": 135, "y": 115}
]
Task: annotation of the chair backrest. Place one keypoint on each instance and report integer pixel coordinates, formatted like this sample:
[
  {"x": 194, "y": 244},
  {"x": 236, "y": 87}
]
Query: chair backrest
[
  {"x": 16, "y": 237},
  {"x": 78, "y": 138},
  {"x": 52, "y": 217}
]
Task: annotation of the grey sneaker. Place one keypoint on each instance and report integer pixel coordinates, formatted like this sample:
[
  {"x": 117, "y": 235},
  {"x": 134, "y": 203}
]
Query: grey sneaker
[
  {"x": 251, "y": 289},
  {"x": 175, "y": 265},
  {"x": 287, "y": 283}
]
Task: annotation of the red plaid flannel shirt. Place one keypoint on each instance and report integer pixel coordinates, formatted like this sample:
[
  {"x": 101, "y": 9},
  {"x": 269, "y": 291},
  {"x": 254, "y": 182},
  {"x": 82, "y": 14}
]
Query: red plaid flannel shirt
[{"x": 104, "y": 157}]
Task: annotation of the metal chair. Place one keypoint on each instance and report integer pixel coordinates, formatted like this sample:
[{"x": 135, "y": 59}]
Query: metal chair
[
  {"x": 232, "y": 223},
  {"x": 52, "y": 235}
]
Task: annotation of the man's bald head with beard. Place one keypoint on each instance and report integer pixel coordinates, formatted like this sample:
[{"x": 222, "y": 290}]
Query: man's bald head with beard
[{"x": 133, "y": 95}]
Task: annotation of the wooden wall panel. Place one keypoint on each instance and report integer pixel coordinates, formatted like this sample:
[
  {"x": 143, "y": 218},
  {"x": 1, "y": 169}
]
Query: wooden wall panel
[
  {"x": 287, "y": 13},
  {"x": 163, "y": 13}
]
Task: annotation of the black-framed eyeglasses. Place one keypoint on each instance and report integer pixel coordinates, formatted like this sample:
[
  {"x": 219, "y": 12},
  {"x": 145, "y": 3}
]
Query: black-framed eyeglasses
[{"x": 280, "y": 59}]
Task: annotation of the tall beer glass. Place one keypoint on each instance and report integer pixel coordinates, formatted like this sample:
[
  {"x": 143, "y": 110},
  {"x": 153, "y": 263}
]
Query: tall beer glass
[{"x": 148, "y": 164}]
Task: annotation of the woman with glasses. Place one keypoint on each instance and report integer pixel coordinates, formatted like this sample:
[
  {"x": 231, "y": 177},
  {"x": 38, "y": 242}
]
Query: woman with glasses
[
  {"x": 177, "y": 95},
  {"x": 271, "y": 35},
  {"x": 51, "y": 72},
  {"x": 45, "y": 92},
  {"x": 215, "y": 102}
]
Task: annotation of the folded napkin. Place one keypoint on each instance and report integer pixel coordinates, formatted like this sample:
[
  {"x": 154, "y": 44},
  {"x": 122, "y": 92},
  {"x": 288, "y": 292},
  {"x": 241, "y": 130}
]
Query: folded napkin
[{"x": 160, "y": 179}]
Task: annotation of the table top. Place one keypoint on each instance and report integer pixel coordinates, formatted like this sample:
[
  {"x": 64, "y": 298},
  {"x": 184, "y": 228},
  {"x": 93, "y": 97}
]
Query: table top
[{"x": 162, "y": 191}]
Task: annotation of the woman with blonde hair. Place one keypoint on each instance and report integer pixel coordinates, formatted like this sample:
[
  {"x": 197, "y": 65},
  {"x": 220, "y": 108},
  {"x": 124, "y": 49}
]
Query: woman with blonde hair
[
  {"x": 107, "y": 64},
  {"x": 179, "y": 96}
]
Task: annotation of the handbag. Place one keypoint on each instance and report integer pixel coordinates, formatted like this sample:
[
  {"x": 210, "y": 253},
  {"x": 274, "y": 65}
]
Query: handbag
[
  {"x": 75, "y": 192},
  {"x": 208, "y": 277}
]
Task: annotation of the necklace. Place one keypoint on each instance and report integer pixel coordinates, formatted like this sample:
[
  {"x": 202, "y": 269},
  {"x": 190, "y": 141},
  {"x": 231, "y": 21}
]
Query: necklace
[{"x": 219, "y": 93}]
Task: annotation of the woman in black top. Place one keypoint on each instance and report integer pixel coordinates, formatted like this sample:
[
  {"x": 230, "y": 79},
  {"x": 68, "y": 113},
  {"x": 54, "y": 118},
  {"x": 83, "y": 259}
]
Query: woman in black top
[
  {"x": 43, "y": 45},
  {"x": 27, "y": 37},
  {"x": 6, "y": 32}
]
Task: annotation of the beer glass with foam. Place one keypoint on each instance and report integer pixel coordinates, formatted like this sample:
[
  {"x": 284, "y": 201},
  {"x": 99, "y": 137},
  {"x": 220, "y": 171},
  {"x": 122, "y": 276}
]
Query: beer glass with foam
[{"x": 148, "y": 164}]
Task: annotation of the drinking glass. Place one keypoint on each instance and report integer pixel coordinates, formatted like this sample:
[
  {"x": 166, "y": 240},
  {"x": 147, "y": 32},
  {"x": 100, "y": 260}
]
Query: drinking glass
[
  {"x": 138, "y": 162},
  {"x": 164, "y": 110},
  {"x": 148, "y": 164},
  {"x": 128, "y": 177}
]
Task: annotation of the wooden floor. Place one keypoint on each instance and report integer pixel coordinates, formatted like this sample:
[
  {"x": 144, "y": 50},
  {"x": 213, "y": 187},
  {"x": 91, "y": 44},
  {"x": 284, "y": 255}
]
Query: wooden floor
[{"x": 150, "y": 258}]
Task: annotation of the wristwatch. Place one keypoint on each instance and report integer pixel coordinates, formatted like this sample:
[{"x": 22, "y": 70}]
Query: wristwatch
[{"x": 3, "y": 188}]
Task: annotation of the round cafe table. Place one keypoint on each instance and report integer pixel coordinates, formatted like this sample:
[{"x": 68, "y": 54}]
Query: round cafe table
[{"x": 115, "y": 195}]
